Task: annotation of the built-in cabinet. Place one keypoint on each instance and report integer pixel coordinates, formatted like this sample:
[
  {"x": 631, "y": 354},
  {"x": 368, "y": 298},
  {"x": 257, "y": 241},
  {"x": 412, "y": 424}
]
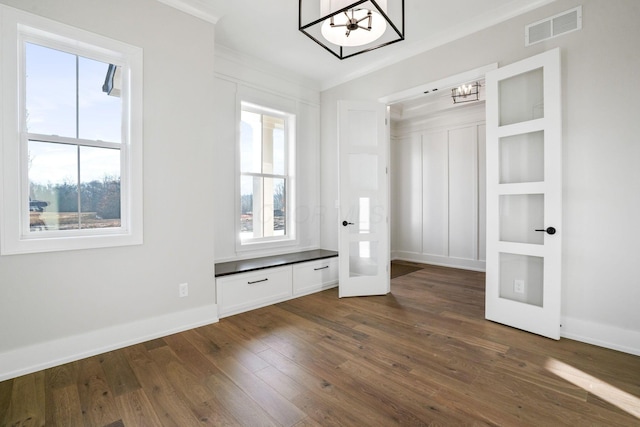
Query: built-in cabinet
[
  {"x": 241, "y": 292},
  {"x": 437, "y": 186}
]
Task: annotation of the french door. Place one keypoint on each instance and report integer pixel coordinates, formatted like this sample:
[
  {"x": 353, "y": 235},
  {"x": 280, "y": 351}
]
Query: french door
[
  {"x": 363, "y": 141},
  {"x": 524, "y": 195}
]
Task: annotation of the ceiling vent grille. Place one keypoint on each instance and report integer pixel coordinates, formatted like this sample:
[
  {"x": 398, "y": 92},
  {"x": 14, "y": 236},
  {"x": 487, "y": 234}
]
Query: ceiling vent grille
[{"x": 554, "y": 26}]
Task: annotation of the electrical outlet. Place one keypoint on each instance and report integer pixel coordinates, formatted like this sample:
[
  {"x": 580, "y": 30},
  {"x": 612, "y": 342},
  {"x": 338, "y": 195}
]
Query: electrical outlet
[
  {"x": 183, "y": 290},
  {"x": 518, "y": 286}
]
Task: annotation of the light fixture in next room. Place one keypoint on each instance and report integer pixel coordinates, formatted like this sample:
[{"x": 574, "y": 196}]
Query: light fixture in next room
[
  {"x": 466, "y": 93},
  {"x": 347, "y": 28}
]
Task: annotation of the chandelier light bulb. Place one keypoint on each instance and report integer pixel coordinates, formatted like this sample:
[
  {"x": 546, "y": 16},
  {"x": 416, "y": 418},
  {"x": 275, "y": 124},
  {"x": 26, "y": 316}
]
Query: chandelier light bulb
[{"x": 351, "y": 28}]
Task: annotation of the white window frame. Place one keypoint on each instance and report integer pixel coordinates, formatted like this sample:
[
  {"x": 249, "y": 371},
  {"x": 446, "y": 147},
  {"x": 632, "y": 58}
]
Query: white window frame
[
  {"x": 17, "y": 28},
  {"x": 274, "y": 109}
]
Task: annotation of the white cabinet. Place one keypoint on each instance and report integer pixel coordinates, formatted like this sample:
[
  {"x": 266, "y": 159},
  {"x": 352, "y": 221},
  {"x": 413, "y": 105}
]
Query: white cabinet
[
  {"x": 241, "y": 292},
  {"x": 314, "y": 276}
]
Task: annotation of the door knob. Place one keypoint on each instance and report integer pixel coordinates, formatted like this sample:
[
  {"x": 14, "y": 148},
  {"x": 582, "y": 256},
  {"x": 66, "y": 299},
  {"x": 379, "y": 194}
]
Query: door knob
[
  {"x": 345, "y": 223},
  {"x": 549, "y": 230}
]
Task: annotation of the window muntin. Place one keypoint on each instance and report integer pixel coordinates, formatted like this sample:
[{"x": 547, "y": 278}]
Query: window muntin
[
  {"x": 73, "y": 132},
  {"x": 265, "y": 181}
]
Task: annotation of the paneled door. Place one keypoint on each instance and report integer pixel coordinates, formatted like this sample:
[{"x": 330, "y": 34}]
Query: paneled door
[
  {"x": 363, "y": 140},
  {"x": 524, "y": 195}
]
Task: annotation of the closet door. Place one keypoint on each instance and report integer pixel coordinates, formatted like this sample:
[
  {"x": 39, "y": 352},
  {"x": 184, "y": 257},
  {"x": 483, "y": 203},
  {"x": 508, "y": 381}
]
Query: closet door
[
  {"x": 435, "y": 204},
  {"x": 463, "y": 193},
  {"x": 407, "y": 194}
]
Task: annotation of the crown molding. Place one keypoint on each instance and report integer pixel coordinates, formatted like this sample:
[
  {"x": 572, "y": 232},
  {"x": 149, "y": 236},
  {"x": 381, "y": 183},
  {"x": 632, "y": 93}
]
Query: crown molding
[
  {"x": 197, "y": 8},
  {"x": 225, "y": 55},
  {"x": 407, "y": 49}
]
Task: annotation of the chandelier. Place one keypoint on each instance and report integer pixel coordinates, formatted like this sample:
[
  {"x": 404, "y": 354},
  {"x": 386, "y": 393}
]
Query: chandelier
[
  {"x": 346, "y": 28},
  {"x": 466, "y": 93}
]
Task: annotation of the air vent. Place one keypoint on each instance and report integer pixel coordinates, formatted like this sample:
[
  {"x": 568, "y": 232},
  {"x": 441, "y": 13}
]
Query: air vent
[{"x": 554, "y": 26}]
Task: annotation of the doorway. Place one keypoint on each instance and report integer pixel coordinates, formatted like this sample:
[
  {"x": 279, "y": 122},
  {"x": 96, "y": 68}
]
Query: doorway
[{"x": 437, "y": 175}]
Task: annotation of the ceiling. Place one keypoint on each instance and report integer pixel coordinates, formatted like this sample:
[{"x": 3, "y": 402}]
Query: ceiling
[{"x": 268, "y": 30}]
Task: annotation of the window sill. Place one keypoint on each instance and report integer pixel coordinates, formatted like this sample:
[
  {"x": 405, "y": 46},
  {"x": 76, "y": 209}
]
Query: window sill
[
  {"x": 55, "y": 244},
  {"x": 265, "y": 245}
]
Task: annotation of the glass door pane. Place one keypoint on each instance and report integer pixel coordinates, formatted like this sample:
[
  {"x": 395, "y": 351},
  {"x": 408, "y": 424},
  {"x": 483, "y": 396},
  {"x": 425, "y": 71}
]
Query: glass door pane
[
  {"x": 363, "y": 258},
  {"x": 520, "y": 216},
  {"x": 521, "y": 97},
  {"x": 522, "y": 158},
  {"x": 521, "y": 278}
]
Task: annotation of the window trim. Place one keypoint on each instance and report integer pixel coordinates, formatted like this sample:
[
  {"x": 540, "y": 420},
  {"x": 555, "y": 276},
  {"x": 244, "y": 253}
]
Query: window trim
[
  {"x": 261, "y": 106},
  {"x": 17, "y": 28}
]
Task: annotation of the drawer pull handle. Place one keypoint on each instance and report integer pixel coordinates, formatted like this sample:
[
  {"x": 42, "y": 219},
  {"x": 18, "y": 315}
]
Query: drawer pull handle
[
  {"x": 321, "y": 268},
  {"x": 257, "y": 281}
]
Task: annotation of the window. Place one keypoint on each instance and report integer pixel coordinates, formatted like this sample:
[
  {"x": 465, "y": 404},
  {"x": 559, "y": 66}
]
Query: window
[
  {"x": 266, "y": 186},
  {"x": 73, "y": 163}
]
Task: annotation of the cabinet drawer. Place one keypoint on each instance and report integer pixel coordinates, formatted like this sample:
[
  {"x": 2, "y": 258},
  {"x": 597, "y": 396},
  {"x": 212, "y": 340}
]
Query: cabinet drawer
[
  {"x": 247, "y": 291},
  {"x": 313, "y": 276}
]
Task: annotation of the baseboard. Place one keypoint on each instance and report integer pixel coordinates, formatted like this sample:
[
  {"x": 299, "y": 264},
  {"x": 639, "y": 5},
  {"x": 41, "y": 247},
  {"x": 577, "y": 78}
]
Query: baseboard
[
  {"x": 465, "y": 264},
  {"x": 607, "y": 336},
  {"x": 45, "y": 355}
]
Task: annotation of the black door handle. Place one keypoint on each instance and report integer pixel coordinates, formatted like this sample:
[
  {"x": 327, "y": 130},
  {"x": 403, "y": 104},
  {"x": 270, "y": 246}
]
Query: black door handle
[
  {"x": 549, "y": 230},
  {"x": 345, "y": 223}
]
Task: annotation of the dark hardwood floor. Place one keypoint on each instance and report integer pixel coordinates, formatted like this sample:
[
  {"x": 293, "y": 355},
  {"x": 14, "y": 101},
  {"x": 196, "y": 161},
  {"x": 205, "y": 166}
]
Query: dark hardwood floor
[{"x": 422, "y": 355}]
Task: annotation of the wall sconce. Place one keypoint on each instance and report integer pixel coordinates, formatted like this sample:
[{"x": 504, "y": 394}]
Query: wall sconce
[
  {"x": 466, "y": 93},
  {"x": 347, "y": 28}
]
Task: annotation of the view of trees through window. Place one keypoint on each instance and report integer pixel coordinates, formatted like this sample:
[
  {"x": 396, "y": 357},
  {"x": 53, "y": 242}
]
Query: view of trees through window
[
  {"x": 263, "y": 180},
  {"x": 74, "y": 134}
]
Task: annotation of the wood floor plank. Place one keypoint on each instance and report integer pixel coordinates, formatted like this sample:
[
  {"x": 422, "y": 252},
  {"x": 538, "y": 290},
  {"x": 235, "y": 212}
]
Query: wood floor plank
[
  {"x": 63, "y": 407},
  {"x": 170, "y": 409},
  {"x": 27, "y": 404},
  {"x": 308, "y": 422},
  {"x": 284, "y": 385},
  {"x": 62, "y": 376},
  {"x": 191, "y": 389},
  {"x": 96, "y": 397},
  {"x": 238, "y": 403},
  {"x": 6, "y": 393},
  {"x": 136, "y": 409},
  {"x": 272, "y": 402},
  {"x": 321, "y": 400},
  {"x": 193, "y": 359},
  {"x": 421, "y": 355},
  {"x": 229, "y": 345},
  {"x": 118, "y": 373}
]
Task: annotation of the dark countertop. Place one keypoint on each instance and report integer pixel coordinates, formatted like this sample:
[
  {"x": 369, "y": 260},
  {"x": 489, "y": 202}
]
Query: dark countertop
[{"x": 245, "y": 265}]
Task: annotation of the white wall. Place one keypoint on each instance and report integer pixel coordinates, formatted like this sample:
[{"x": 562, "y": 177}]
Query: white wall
[
  {"x": 55, "y": 307},
  {"x": 273, "y": 88},
  {"x": 601, "y": 152}
]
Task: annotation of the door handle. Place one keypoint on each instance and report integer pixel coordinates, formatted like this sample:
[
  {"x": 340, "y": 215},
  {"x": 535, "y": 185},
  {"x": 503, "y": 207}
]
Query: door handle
[
  {"x": 549, "y": 230},
  {"x": 345, "y": 223}
]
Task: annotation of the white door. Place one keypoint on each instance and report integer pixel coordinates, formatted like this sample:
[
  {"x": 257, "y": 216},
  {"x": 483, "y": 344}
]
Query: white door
[
  {"x": 524, "y": 195},
  {"x": 363, "y": 142}
]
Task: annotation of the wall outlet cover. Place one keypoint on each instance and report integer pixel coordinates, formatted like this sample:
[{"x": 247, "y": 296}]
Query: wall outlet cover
[{"x": 183, "y": 290}]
